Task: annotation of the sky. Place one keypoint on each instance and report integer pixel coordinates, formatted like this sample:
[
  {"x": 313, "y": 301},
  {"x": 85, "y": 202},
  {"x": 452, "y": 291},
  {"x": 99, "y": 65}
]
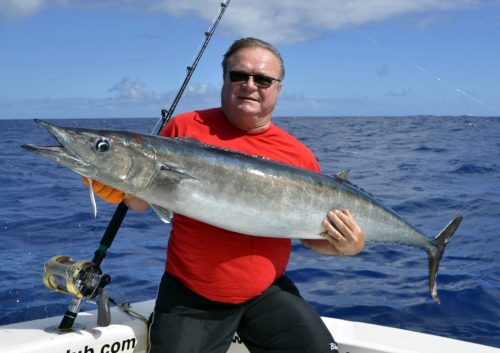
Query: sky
[{"x": 128, "y": 58}]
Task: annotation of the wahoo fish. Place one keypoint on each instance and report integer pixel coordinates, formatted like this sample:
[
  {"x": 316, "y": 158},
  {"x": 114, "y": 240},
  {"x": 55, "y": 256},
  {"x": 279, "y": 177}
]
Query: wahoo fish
[{"x": 231, "y": 190}]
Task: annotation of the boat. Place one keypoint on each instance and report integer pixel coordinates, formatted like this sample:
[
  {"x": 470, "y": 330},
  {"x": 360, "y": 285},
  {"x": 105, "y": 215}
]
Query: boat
[{"x": 127, "y": 333}]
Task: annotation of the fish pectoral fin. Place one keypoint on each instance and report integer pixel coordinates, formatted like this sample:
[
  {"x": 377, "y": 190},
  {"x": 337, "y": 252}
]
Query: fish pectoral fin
[
  {"x": 174, "y": 173},
  {"x": 164, "y": 214}
]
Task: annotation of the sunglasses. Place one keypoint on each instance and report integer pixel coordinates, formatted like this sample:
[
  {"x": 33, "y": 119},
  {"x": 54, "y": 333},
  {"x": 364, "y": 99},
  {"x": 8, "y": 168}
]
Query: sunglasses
[{"x": 259, "y": 80}]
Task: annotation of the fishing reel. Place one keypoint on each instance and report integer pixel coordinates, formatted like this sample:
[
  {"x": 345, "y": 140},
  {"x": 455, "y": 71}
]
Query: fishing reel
[{"x": 84, "y": 281}]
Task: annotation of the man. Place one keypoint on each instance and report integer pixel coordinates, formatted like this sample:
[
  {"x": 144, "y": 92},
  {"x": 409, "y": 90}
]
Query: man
[{"x": 219, "y": 282}]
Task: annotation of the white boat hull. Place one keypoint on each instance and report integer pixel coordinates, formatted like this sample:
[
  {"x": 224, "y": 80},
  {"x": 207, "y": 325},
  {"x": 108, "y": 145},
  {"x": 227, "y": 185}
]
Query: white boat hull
[{"x": 127, "y": 334}]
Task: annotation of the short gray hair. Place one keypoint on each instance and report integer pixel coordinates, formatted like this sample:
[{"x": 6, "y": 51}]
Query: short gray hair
[{"x": 250, "y": 42}]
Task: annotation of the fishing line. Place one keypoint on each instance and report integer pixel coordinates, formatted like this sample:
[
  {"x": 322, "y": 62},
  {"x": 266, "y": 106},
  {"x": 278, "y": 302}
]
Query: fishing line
[{"x": 426, "y": 72}]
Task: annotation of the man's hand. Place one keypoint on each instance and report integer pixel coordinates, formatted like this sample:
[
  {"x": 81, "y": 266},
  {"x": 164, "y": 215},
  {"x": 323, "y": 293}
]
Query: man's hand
[{"x": 342, "y": 235}]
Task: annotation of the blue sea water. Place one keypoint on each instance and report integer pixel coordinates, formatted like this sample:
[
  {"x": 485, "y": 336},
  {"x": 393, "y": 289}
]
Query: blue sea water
[{"x": 428, "y": 169}]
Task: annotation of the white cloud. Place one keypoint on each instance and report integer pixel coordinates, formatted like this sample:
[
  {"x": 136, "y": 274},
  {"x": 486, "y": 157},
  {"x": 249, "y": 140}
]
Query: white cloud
[
  {"x": 128, "y": 98},
  {"x": 277, "y": 21},
  {"x": 402, "y": 93},
  {"x": 298, "y": 20},
  {"x": 131, "y": 90},
  {"x": 15, "y": 9}
]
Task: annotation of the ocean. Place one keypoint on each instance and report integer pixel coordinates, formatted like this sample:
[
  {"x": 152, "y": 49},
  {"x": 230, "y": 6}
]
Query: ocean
[{"x": 428, "y": 169}]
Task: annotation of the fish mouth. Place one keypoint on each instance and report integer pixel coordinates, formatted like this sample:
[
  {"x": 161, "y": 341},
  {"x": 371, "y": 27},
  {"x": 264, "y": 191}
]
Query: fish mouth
[{"x": 61, "y": 153}]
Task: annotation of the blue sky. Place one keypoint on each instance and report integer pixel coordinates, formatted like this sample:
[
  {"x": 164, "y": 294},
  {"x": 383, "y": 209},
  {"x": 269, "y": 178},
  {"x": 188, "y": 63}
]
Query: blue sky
[{"x": 127, "y": 58}]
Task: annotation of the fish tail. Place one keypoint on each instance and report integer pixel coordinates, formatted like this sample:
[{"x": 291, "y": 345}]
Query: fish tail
[{"x": 437, "y": 253}]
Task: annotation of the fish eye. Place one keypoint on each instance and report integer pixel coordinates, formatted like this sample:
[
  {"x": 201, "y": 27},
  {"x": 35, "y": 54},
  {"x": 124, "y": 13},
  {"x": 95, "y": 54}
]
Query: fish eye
[{"x": 102, "y": 145}]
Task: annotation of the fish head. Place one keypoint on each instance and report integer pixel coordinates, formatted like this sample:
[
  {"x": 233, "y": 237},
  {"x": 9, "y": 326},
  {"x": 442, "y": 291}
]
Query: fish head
[{"x": 117, "y": 158}]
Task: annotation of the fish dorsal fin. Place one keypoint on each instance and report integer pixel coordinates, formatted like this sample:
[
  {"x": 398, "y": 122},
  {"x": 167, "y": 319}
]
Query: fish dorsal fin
[
  {"x": 164, "y": 214},
  {"x": 343, "y": 175}
]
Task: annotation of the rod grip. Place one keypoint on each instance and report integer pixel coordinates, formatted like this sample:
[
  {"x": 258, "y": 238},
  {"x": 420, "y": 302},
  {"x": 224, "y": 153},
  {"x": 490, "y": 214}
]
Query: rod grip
[{"x": 70, "y": 315}]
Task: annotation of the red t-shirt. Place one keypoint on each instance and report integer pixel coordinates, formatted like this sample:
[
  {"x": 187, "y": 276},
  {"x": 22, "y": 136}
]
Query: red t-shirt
[{"x": 218, "y": 264}]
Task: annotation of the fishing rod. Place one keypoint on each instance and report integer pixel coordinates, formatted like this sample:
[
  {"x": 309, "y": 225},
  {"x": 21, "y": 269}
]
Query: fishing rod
[
  {"x": 85, "y": 280},
  {"x": 167, "y": 114}
]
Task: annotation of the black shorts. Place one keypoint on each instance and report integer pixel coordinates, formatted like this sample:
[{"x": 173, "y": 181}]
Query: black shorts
[{"x": 279, "y": 320}]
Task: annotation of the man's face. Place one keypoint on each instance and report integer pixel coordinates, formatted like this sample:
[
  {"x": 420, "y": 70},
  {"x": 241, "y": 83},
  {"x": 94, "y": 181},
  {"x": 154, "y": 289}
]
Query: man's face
[{"x": 246, "y": 104}]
